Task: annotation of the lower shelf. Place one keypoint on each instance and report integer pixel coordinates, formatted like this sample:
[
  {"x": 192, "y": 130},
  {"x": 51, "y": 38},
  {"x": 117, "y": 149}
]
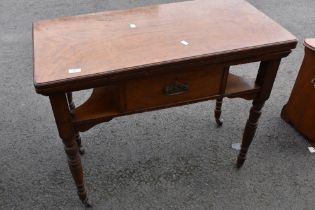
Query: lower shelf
[
  {"x": 237, "y": 85},
  {"x": 103, "y": 104}
]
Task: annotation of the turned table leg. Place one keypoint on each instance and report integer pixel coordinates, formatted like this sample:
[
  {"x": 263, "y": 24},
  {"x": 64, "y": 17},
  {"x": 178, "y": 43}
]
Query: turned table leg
[
  {"x": 62, "y": 115},
  {"x": 250, "y": 130},
  {"x": 77, "y": 134},
  {"x": 217, "y": 112},
  {"x": 265, "y": 78}
]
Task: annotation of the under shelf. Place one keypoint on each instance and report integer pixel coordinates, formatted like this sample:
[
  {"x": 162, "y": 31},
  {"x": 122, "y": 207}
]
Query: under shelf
[
  {"x": 103, "y": 104},
  {"x": 91, "y": 115},
  {"x": 237, "y": 85}
]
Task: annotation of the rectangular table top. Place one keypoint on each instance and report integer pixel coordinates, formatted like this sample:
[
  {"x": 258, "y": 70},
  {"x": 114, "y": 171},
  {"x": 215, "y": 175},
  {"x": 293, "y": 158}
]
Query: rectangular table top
[{"x": 73, "y": 48}]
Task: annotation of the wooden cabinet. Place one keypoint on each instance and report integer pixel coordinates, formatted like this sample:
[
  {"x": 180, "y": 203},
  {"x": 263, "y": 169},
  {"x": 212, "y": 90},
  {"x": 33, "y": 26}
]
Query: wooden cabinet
[{"x": 300, "y": 109}]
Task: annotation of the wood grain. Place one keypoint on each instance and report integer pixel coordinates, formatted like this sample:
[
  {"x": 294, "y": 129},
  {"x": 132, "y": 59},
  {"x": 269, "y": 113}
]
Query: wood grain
[{"x": 103, "y": 43}]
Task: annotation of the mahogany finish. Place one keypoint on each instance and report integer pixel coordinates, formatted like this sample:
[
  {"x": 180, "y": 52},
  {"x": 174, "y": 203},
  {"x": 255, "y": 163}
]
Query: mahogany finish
[
  {"x": 299, "y": 111},
  {"x": 67, "y": 134},
  {"x": 202, "y": 82},
  {"x": 151, "y": 58},
  {"x": 103, "y": 43}
]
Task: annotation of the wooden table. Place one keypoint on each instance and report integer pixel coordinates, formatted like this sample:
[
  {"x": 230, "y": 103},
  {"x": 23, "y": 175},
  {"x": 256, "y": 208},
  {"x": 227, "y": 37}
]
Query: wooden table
[{"x": 151, "y": 58}]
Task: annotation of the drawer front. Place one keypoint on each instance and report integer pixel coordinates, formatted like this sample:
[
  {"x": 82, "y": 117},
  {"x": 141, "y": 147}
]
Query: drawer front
[{"x": 171, "y": 88}]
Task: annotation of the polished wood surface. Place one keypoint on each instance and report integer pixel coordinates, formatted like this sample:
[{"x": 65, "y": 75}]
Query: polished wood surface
[
  {"x": 300, "y": 109},
  {"x": 174, "y": 54},
  {"x": 104, "y": 43}
]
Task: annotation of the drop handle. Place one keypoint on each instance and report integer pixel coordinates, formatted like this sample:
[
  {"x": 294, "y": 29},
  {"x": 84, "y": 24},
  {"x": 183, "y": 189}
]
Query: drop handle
[
  {"x": 313, "y": 82},
  {"x": 176, "y": 88}
]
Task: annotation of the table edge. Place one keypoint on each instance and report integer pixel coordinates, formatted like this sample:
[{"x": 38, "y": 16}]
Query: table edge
[{"x": 267, "y": 48}]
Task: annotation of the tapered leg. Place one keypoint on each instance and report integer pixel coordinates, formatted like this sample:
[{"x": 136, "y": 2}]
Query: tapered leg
[
  {"x": 217, "y": 112},
  {"x": 62, "y": 115},
  {"x": 250, "y": 130},
  {"x": 77, "y": 134},
  {"x": 265, "y": 78}
]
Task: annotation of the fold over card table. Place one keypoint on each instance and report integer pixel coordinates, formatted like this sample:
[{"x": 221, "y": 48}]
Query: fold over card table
[{"x": 152, "y": 58}]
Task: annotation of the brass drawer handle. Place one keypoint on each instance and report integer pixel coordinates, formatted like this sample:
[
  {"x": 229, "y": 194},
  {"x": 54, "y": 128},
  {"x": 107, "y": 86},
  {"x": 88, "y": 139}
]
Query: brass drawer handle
[
  {"x": 176, "y": 88},
  {"x": 313, "y": 82}
]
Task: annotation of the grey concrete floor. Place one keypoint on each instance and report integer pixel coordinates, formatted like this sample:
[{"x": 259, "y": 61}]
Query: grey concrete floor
[{"x": 170, "y": 159}]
